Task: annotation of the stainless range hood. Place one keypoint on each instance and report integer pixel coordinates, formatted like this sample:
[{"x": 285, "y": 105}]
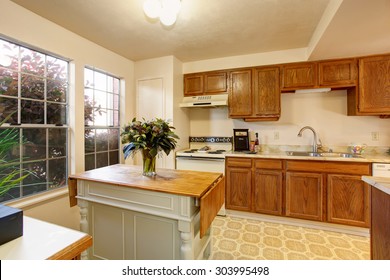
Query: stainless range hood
[{"x": 205, "y": 101}]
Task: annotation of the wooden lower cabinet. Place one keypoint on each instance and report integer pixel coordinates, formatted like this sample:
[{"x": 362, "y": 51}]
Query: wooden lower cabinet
[
  {"x": 254, "y": 185},
  {"x": 268, "y": 186},
  {"x": 304, "y": 195},
  {"x": 348, "y": 199},
  {"x": 380, "y": 226},
  {"x": 239, "y": 184},
  {"x": 268, "y": 192},
  {"x": 325, "y": 191}
]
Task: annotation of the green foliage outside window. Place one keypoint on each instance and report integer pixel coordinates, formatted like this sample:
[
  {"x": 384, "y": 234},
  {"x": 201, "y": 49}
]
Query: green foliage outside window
[{"x": 10, "y": 172}]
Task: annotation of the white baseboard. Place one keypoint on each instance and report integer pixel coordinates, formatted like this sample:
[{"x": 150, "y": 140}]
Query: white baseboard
[{"x": 300, "y": 223}]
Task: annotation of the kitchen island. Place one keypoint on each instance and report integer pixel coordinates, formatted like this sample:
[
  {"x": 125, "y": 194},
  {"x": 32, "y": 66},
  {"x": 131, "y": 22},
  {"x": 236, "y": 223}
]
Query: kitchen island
[{"x": 131, "y": 216}]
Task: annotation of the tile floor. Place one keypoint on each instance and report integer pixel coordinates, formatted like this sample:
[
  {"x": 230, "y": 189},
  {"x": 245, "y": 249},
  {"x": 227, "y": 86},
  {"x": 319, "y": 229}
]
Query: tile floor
[{"x": 246, "y": 239}]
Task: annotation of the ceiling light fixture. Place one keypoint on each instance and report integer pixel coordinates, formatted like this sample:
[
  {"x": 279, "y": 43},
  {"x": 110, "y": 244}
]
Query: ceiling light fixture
[{"x": 166, "y": 10}]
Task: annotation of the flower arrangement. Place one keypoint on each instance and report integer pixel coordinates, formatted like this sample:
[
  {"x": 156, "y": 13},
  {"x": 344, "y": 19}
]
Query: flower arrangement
[{"x": 151, "y": 137}]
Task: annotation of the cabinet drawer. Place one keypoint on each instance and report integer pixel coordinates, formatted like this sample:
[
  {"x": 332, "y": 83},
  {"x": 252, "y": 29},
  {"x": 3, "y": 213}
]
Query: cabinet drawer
[
  {"x": 359, "y": 168},
  {"x": 268, "y": 163},
  {"x": 239, "y": 162}
]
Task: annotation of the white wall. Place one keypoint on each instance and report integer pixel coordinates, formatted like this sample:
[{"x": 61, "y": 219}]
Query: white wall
[
  {"x": 22, "y": 25},
  {"x": 169, "y": 70},
  {"x": 325, "y": 112},
  {"x": 249, "y": 60}
]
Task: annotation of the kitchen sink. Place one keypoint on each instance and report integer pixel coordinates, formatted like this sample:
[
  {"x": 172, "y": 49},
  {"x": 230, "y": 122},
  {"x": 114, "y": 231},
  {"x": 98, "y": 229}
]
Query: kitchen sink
[
  {"x": 303, "y": 154},
  {"x": 321, "y": 154}
]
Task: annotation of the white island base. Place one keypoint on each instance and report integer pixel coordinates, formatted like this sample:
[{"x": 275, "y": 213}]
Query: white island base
[{"x": 139, "y": 224}]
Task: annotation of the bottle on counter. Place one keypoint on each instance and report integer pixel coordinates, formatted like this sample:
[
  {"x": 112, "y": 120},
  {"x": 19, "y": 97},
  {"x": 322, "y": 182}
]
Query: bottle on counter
[
  {"x": 257, "y": 143},
  {"x": 252, "y": 146}
]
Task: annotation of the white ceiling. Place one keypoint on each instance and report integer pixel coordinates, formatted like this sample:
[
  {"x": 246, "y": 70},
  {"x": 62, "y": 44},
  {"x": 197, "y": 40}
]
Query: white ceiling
[{"x": 208, "y": 29}]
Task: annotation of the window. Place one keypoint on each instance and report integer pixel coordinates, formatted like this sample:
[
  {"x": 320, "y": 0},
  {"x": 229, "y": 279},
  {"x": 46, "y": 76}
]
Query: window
[
  {"x": 34, "y": 95},
  {"x": 101, "y": 117}
]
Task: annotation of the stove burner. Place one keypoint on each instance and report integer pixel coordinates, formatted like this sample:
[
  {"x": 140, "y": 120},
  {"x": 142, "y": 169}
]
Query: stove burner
[
  {"x": 216, "y": 152},
  {"x": 190, "y": 151}
]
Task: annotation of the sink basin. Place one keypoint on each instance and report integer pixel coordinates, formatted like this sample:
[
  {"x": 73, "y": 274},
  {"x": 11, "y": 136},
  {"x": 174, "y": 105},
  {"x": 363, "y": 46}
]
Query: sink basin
[
  {"x": 303, "y": 154},
  {"x": 324, "y": 154}
]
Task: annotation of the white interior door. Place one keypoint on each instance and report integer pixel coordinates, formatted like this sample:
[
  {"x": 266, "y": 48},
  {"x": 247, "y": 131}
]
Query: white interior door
[{"x": 151, "y": 105}]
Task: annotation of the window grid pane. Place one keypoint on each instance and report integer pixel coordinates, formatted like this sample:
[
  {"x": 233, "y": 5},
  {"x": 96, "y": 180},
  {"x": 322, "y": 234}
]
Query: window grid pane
[
  {"x": 28, "y": 80},
  {"x": 101, "y": 113}
]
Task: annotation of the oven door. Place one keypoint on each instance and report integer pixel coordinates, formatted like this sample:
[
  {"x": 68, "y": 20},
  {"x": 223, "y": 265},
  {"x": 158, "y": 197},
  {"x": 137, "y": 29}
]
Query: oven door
[{"x": 201, "y": 164}]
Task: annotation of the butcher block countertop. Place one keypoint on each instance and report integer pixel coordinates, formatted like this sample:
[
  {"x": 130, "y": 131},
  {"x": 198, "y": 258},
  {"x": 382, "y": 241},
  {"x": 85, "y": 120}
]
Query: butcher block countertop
[{"x": 180, "y": 182}]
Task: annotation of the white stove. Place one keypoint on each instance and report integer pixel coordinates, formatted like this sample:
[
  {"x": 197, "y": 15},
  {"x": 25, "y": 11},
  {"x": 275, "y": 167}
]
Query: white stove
[
  {"x": 207, "y": 147},
  {"x": 205, "y": 154}
]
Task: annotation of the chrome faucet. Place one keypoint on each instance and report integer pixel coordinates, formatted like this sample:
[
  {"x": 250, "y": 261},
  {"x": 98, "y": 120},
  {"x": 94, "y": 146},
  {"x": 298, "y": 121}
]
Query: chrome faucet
[{"x": 316, "y": 145}]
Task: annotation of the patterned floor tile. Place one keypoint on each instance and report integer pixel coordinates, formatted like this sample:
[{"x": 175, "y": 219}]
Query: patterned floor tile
[{"x": 246, "y": 239}]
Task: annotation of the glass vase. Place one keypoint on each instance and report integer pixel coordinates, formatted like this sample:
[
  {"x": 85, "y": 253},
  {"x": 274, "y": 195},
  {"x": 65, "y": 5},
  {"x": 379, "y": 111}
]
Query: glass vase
[{"x": 148, "y": 163}]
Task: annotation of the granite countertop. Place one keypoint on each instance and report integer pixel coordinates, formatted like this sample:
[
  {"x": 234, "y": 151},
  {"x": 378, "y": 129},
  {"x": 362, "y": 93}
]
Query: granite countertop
[
  {"x": 380, "y": 158},
  {"x": 380, "y": 183},
  {"x": 371, "y": 154}
]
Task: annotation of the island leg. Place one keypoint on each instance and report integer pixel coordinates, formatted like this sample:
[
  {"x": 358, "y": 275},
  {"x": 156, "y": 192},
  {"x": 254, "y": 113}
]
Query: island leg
[
  {"x": 186, "y": 248},
  {"x": 84, "y": 227}
]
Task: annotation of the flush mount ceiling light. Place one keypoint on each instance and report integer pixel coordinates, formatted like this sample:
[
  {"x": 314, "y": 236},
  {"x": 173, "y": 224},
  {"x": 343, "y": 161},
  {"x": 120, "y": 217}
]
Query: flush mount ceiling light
[{"x": 166, "y": 10}]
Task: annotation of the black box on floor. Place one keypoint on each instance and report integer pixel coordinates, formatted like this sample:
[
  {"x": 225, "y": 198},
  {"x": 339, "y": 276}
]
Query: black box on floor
[{"x": 11, "y": 223}]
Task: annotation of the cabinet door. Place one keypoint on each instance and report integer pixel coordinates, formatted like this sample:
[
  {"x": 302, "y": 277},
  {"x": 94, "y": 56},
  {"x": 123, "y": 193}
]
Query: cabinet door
[
  {"x": 268, "y": 192},
  {"x": 304, "y": 195},
  {"x": 193, "y": 84},
  {"x": 215, "y": 83},
  {"x": 299, "y": 76},
  {"x": 266, "y": 92},
  {"x": 374, "y": 85},
  {"x": 338, "y": 73},
  {"x": 240, "y": 96},
  {"x": 380, "y": 226},
  {"x": 348, "y": 200},
  {"x": 130, "y": 235},
  {"x": 239, "y": 184}
]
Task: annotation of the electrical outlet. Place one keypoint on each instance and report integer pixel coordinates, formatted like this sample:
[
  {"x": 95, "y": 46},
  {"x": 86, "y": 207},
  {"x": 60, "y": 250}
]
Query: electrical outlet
[
  {"x": 276, "y": 135},
  {"x": 375, "y": 136}
]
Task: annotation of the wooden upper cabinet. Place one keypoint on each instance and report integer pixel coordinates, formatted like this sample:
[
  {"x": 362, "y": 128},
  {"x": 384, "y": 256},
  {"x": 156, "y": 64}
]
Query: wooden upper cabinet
[
  {"x": 337, "y": 73},
  {"x": 266, "y": 93},
  {"x": 215, "y": 83},
  {"x": 374, "y": 85},
  {"x": 193, "y": 84},
  {"x": 207, "y": 83},
  {"x": 240, "y": 96},
  {"x": 299, "y": 76},
  {"x": 255, "y": 94}
]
